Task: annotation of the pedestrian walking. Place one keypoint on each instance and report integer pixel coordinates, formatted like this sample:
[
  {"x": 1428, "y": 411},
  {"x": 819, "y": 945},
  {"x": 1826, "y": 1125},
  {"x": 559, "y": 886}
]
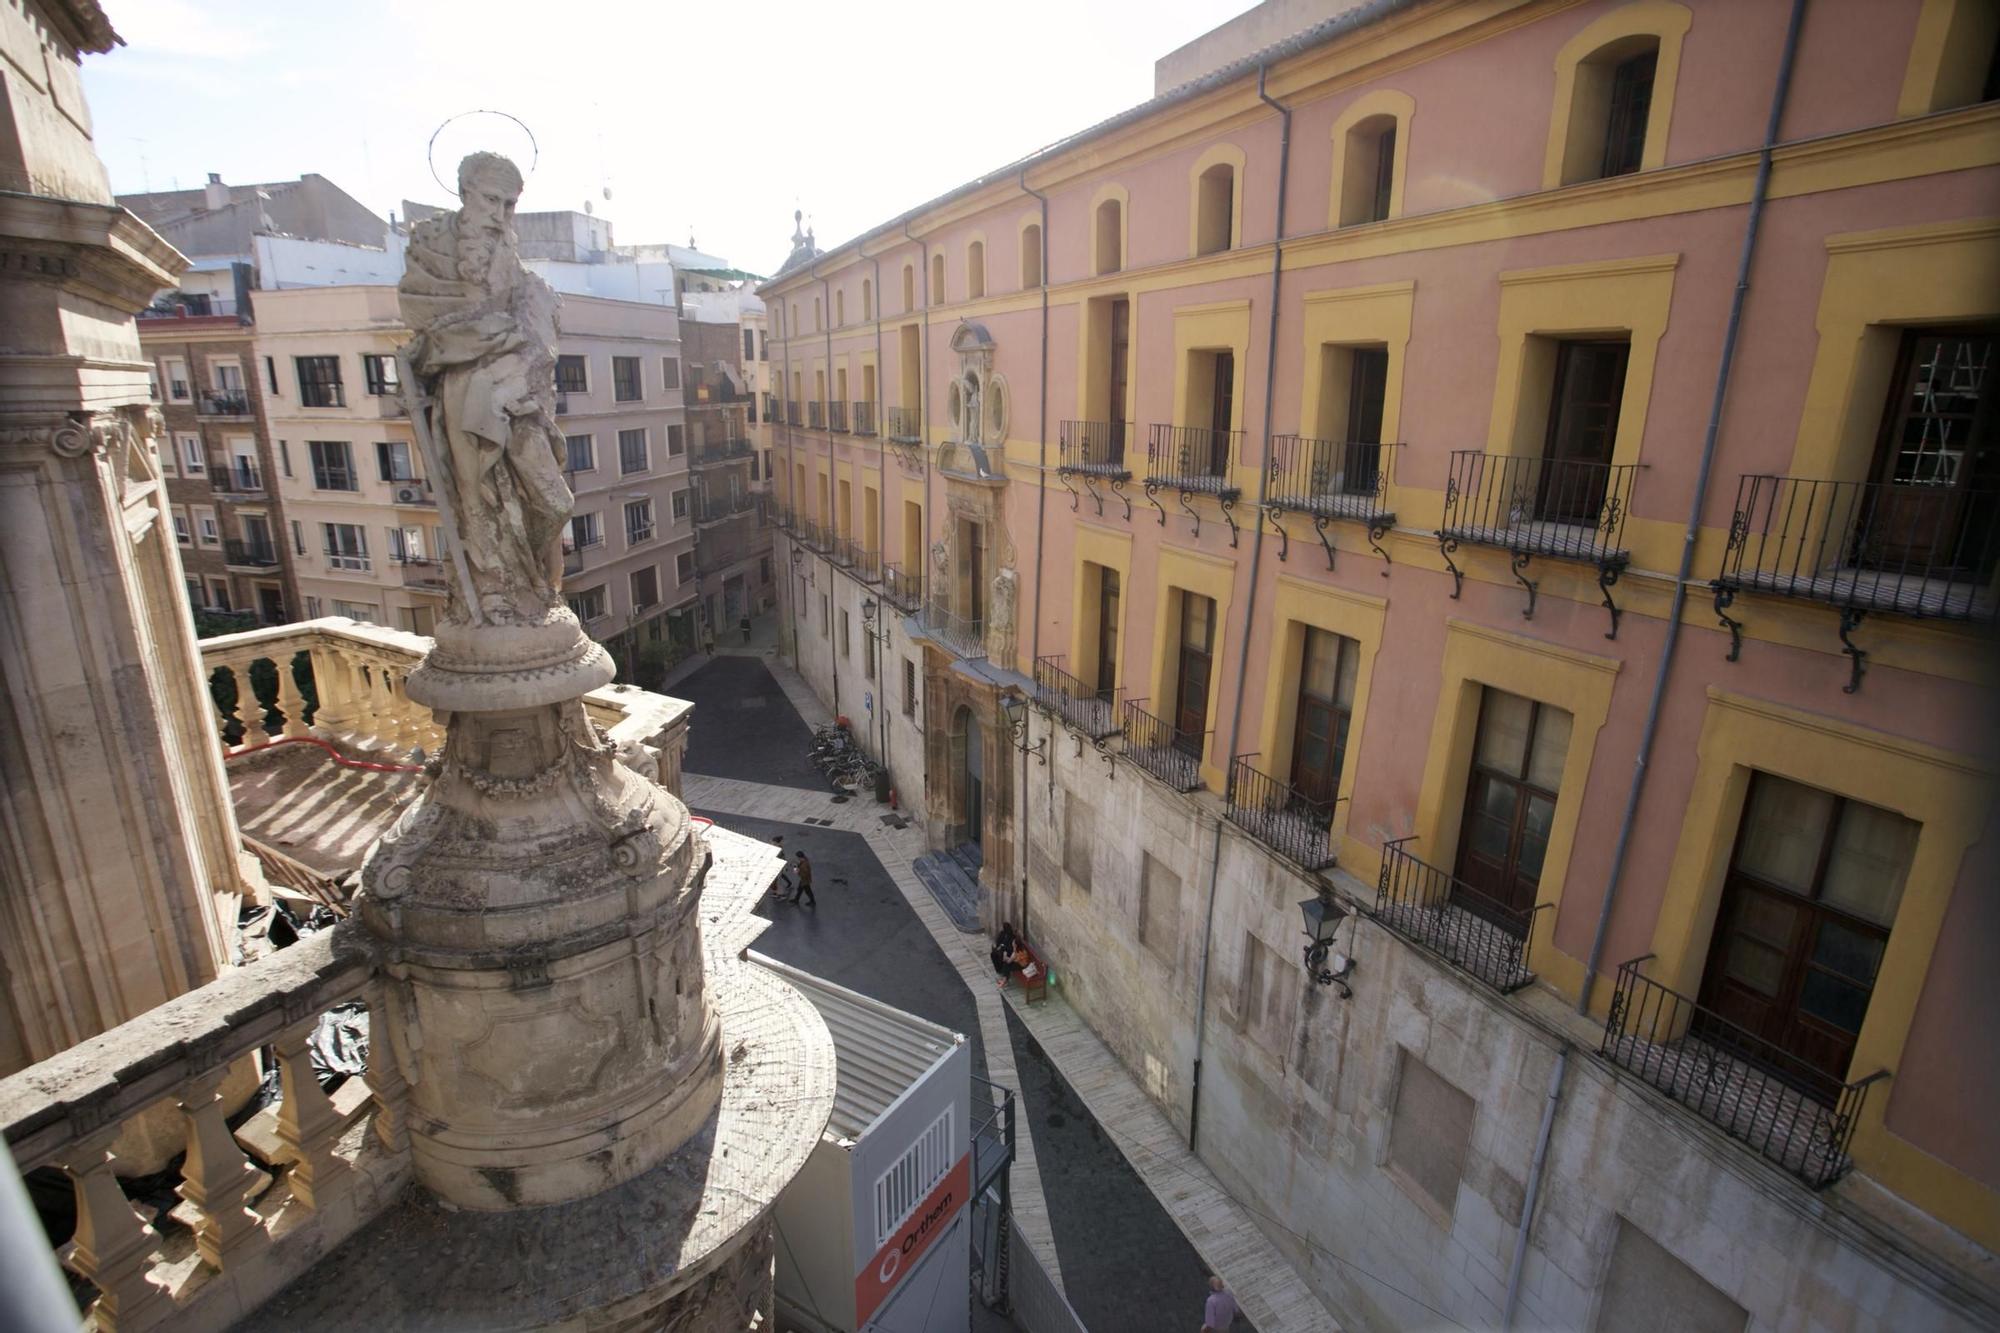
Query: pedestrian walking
[
  {"x": 804, "y": 893},
  {"x": 746, "y": 629},
  {"x": 782, "y": 885},
  {"x": 1220, "y": 1312}
]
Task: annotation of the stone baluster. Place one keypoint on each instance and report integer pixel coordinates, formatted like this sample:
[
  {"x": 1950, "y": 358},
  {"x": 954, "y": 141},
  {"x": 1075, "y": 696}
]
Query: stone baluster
[
  {"x": 114, "y": 1245},
  {"x": 378, "y": 725},
  {"x": 402, "y": 728},
  {"x": 223, "y": 716},
  {"x": 308, "y": 1125},
  {"x": 216, "y": 1177},
  {"x": 291, "y": 699},
  {"x": 385, "y": 1074},
  {"x": 257, "y": 728},
  {"x": 333, "y": 679}
]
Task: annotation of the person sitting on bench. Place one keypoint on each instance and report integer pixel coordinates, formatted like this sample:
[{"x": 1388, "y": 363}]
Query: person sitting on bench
[{"x": 1002, "y": 952}]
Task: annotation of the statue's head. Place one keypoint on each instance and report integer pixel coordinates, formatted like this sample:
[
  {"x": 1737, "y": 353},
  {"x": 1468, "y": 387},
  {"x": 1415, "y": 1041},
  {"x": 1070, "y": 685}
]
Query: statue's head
[{"x": 488, "y": 186}]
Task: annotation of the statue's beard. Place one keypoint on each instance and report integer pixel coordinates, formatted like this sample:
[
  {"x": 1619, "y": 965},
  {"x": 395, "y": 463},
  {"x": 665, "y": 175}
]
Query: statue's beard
[{"x": 478, "y": 245}]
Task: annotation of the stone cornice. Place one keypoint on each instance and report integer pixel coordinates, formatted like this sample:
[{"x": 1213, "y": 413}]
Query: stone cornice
[{"x": 95, "y": 250}]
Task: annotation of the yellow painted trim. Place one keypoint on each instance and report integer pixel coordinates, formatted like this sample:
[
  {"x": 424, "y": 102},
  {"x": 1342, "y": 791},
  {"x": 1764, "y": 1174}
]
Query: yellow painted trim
[
  {"x": 1948, "y": 54},
  {"x": 1111, "y": 549},
  {"x": 1581, "y": 683},
  {"x": 1222, "y": 153},
  {"x": 1381, "y": 102},
  {"x": 1662, "y": 19},
  {"x": 1111, "y": 190},
  {"x": 1947, "y": 794},
  {"x": 1216, "y": 325},
  {"x": 1021, "y": 226},
  {"x": 1205, "y": 575},
  {"x": 1298, "y": 603},
  {"x": 1876, "y": 281},
  {"x": 977, "y": 238},
  {"x": 1381, "y": 313}
]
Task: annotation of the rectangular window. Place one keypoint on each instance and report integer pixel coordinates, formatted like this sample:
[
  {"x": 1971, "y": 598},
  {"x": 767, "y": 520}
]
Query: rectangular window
[
  {"x": 346, "y": 546},
  {"x": 1430, "y": 1134},
  {"x": 285, "y": 457},
  {"x": 193, "y": 461},
  {"x": 1325, "y": 710},
  {"x": 638, "y": 522},
  {"x": 271, "y": 375},
  {"x": 1264, "y": 995},
  {"x": 1194, "y": 666},
  {"x": 406, "y": 544},
  {"x": 178, "y": 387},
  {"x": 572, "y": 375},
  {"x": 676, "y": 441},
  {"x": 205, "y": 528},
  {"x": 632, "y": 456},
  {"x": 670, "y": 372},
  {"x": 1510, "y": 805},
  {"x": 867, "y": 651},
  {"x": 319, "y": 381},
  {"x": 332, "y": 465},
  {"x": 749, "y": 344},
  {"x": 588, "y": 605},
  {"x": 366, "y": 612},
  {"x": 909, "y": 688},
  {"x": 182, "y": 533},
  {"x": 846, "y": 645},
  {"x": 580, "y": 453},
  {"x": 645, "y": 588},
  {"x": 378, "y": 373},
  {"x": 680, "y": 503},
  {"x": 625, "y": 385},
  {"x": 1583, "y": 430},
  {"x": 585, "y": 531},
  {"x": 1385, "y": 174},
  {"x": 1079, "y": 837},
  {"x": 298, "y": 538},
  {"x": 392, "y": 460},
  {"x": 228, "y": 379},
  {"x": 312, "y": 605},
  {"x": 1631, "y": 103},
  {"x": 1107, "y": 632},
  {"x": 683, "y": 569},
  {"x": 1159, "y": 909}
]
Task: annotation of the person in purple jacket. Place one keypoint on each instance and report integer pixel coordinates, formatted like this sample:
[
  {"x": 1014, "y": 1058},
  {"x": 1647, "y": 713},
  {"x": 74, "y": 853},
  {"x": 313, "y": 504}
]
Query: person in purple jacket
[{"x": 1220, "y": 1312}]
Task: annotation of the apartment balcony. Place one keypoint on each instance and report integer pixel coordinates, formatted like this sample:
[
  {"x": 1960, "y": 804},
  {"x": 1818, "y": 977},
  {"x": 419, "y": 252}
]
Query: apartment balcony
[
  {"x": 1532, "y": 507},
  {"x": 1092, "y": 453},
  {"x": 810, "y": 535},
  {"x": 793, "y": 417},
  {"x": 238, "y": 477},
  {"x": 1862, "y": 548},
  {"x": 1757, "y": 1093},
  {"x": 722, "y": 508},
  {"x": 770, "y": 410},
  {"x": 1091, "y": 713},
  {"x": 962, "y": 636},
  {"x": 1193, "y": 460},
  {"x": 423, "y": 573},
  {"x": 714, "y": 452},
  {"x": 841, "y": 551},
  {"x": 903, "y": 425},
  {"x": 1290, "y": 821},
  {"x": 223, "y": 405},
  {"x": 1329, "y": 481},
  {"x": 836, "y": 417},
  {"x": 816, "y": 415},
  {"x": 1445, "y": 916},
  {"x": 863, "y": 417},
  {"x": 866, "y": 565},
  {"x": 255, "y": 557},
  {"x": 1157, "y": 747},
  {"x": 903, "y": 588},
  {"x": 715, "y": 395}
]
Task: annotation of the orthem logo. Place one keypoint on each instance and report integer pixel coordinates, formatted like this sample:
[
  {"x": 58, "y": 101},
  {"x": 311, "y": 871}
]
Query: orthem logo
[{"x": 893, "y": 1262}]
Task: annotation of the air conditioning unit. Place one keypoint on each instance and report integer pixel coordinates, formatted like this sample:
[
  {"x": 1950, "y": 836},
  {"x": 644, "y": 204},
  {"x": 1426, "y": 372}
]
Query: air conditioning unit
[{"x": 409, "y": 495}]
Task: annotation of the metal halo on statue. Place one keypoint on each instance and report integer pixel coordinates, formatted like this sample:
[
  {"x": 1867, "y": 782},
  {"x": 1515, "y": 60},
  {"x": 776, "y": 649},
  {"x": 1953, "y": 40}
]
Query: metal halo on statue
[{"x": 430, "y": 149}]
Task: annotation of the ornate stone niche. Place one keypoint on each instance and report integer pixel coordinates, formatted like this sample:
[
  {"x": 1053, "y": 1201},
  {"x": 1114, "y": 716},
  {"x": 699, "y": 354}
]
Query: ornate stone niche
[{"x": 977, "y": 405}]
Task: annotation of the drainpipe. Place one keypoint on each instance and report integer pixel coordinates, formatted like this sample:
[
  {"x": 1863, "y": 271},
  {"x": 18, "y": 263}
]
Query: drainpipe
[
  {"x": 1534, "y": 1187},
  {"x": 1041, "y": 508},
  {"x": 1250, "y": 600},
  {"x": 923, "y": 447},
  {"x": 1693, "y": 531},
  {"x": 832, "y": 470},
  {"x": 881, "y": 521}
]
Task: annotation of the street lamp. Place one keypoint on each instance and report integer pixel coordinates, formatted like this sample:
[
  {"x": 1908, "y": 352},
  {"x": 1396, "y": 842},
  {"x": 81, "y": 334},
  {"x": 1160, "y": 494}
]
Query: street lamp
[
  {"x": 1017, "y": 713},
  {"x": 1323, "y": 917}
]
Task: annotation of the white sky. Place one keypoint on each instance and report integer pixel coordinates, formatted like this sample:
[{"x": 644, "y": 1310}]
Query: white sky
[{"x": 715, "y": 119}]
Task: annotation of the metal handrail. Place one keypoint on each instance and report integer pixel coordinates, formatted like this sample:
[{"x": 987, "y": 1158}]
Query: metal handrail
[
  {"x": 816, "y": 415},
  {"x": 1785, "y": 1109},
  {"x": 1338, "y": 478},
  {"x": 1165, "y": 751},
  {"x": 965, "y": 636},
  {"x": 903, "y": 588},
  {"x": 1281, "y": 816},
  {"x": 1195, "y": 457},
  {"x": 1096, "y": 447},
  {"x": 1093, "y": 712},
  {"x": 1533, "y": 506},
  {"x": 864, "y": 418},
  {"x": 836, "y": 417},
  {"x": 903, "y": 425},
  {"x": 1439, "y": 912}
]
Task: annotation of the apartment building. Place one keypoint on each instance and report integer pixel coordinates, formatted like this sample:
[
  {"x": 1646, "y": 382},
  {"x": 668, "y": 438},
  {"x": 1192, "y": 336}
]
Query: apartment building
[
  {"x": 732, "y": 553},
  {"x": 1352, "y": 510}
]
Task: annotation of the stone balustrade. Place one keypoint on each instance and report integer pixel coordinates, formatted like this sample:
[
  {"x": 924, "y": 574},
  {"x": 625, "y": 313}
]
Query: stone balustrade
[
  {"x": 243, "y": 1230},
  {"x": 358, "y": 673}
]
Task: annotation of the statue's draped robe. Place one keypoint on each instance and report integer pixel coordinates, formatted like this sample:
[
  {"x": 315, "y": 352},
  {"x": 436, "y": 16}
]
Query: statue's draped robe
[{"x": 486, "y": 352}]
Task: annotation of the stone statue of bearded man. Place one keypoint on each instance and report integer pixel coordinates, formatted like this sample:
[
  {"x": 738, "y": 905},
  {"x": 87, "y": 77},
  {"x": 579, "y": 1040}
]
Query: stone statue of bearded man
[{"x": 484, "y": 357}]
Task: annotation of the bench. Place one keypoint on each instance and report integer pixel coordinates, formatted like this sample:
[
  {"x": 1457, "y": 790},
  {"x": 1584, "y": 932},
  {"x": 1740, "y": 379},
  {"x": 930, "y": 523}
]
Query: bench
[{"x": 1033, "y": 979}]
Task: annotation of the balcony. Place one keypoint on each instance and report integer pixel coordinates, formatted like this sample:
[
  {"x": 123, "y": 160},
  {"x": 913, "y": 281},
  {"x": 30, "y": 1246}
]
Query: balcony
[
  {"x": 223, "y": 405},
  {"x": 903, "y": 425},
  {"x": 867, "y": 564},
  {"x": 1921, "y": 551},
  {"x": 249, "y": 555},
  {"x": 1091, "y": 713},
  {"x": 424, "y": 573},
  {"x": 864, "y": 418},
  {"x": 715, "y": 395},
  {"x": 902, "y": 588},
  {"x": 1193, "y": 460},
  {"x": 722, "y": 508},
  {"x": 816, "y": 415},
  {"x": 962, "y": 636},
  {"x": 1330, "y": 481},
  {"x": 809, "y": 535},
  {"x": 239, "y": 476},
  {"x": 1757, "y": 1093},
  {"x": 841, "y": 552},
  {"x": 1093, "y": 452},
  {"x": 1292, "y": 823},
  {"x": 1539, "y": 507},
  {"x": 792, "y": 414},
  {"x": 1447, "y": 917},
  {"x": 1168, "y": 753},
  {"x": 713, "y": 452},
  {"x": 572, "y": 558},
  {"x": 836, "y": 417}
]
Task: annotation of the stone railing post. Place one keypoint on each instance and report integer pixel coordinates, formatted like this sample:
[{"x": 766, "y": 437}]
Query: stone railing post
[
  {"x": 307, "y": 1123},
  {"x": 216, "y": 1178},
  {"x": 113, "y": 1244},
  {"x": 385, "y": 1072},
  {"x": 291, "y": 699},
  {"x": 333, "y": 679}
]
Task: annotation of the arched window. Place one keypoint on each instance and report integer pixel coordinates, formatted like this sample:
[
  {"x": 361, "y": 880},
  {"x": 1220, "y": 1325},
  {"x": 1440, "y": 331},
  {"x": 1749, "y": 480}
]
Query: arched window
[
  {"x": 819, "y": 316},
  {"x": 909, "y": 287},
  {"x": 1614, "y": 94},
  {"x": 1110, "y": 240},
  {"x": 840, "y": 310},
  {"x": 867, "y": 299},
  {"x": 1215, "y": 209},
  {"x": 1370, "y": 146},
  {"x": 937, "y": 279},
  {"x": 975, "y": 270},
  {"x": 1031, "y": 255}
]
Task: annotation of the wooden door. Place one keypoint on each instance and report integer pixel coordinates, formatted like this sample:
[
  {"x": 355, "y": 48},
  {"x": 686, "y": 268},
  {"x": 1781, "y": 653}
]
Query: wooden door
[
  {"x": 1222, "y": 411},
  {"x": 1583, "y": 429},
  {"x": 1107, "y": 632},
  {"x": 1196, "y": 664},
  {"x": 1326, "y": 701},
  {"x": 1510, "y": 804},
  {"x": 1937, "y": 448},
  {"x": 1121, "y": 358},
  {"x": 1367, "y": 384}
]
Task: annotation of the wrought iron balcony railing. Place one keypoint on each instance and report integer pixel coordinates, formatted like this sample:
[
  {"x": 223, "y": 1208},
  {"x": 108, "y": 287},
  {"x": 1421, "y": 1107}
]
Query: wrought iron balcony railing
[
  {"x": 1757, "y": 1093},
  {"x": 239, "y": 476},
  {"x": 836, "y": 417},
  {"x": 1441, "y": 913},
  {"x": 964, "y": 636},
  {"x": 1284, "y": 818},
  {"x": 864, "y": 418},
  {"x": 722, "y": 451},
  {"x": 1193, "y": 460},
  {"x": 792, "y": 414},
  {"x": 903, "y": 588},
  {"x": 1530, "y": 506},
  {"x": 841, "y": 552},
  {"x": 809, "y": 535},
  {"x": 903, "y": 425},
  {"x": 1328, "y": 481},
  {"x": 249, "y": 555},
  {"x": 425, "y": 572},
  {"x": 1093, "y": 452},
  {"x": 1924, "y": 551},
  {"x": 1094, "y": 713},
  {"x": 867, "y": 564},
  {"x": 769, "y": 410},
  {"x": 225, "y": 405},
  {"x": 1165, "y": 751},
  {"x": 816, "y": 415}
]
